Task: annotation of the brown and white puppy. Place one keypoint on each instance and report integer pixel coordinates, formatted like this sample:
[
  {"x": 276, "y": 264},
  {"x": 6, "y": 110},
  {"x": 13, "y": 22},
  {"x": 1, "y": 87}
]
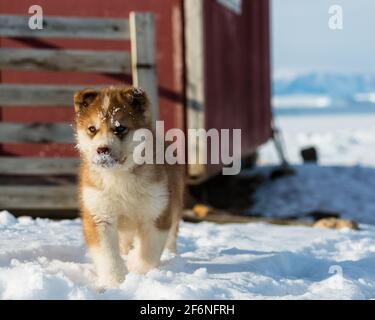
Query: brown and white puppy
[{"x": 126, "y": 209}]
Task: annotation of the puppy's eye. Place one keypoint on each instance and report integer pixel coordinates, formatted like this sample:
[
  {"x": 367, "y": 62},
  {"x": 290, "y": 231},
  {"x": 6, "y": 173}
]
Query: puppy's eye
[
  {"x": 92, "y": 129},
  {"x": 119, "y": 129}
]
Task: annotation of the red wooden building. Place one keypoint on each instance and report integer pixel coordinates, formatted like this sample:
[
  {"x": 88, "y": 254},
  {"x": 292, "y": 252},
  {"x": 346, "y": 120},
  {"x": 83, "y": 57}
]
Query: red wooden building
[{"x": 212, "y": 59}]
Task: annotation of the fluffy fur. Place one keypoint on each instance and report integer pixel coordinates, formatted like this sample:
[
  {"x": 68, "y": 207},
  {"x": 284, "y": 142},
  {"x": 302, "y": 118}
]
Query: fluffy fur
[{"x": 127, "y": 209}]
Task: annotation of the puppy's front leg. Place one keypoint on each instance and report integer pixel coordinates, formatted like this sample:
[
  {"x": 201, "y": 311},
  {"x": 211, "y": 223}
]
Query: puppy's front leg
[
  {"x": 102, "y": 239},
  {"x": 149, "y": 244}
]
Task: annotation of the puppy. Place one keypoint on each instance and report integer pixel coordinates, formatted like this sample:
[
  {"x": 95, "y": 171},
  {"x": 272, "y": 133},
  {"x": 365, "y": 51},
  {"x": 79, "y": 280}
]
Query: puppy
[{"x": 126, "y": 208}]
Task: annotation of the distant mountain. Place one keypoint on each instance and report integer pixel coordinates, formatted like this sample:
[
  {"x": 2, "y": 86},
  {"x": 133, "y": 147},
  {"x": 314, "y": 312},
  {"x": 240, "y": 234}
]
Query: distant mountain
[
  {"x": 323, "y": 90},
  {"x": 324, "y": 84}
]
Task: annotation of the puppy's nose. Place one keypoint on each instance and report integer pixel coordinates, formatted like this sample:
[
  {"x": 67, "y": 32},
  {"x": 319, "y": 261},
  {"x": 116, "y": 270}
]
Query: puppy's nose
[{"x": 103, "y": 150}]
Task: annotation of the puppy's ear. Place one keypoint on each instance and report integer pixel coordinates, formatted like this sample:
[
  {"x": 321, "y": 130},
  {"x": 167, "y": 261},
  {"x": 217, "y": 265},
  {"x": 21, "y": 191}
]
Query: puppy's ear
[
  {"x": 136, "y": 98},
  {"x": 83, "y": 99}
]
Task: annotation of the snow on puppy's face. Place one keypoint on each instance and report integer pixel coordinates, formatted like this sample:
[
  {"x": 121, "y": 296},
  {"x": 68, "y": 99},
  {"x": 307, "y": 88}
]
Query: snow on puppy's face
[{"x": 105, "y": 124}]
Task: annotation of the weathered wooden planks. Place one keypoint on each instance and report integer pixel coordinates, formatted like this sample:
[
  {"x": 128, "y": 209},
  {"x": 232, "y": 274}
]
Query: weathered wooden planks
[
  {"x": 65, "y": 60},
  {"x": 142, "y": 35},
  {"x": 195, "y": 85},
  {"x": 38, "y": 95},
  {"x": 140, "y": 62},
  {"x": 38, "y": 197},
  {"x": 38, "y": 166},
  {"x": 66, "y": 27},
  {"x": 36, "y": 133}
]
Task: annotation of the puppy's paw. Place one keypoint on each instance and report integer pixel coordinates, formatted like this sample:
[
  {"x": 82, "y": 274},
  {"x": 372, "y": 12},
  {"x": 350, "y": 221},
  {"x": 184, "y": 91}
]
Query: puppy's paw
[
  {"x": 138, "y": 265},
  {"x": 112, "y": 277},
  {"x": 106, "y": 283}
]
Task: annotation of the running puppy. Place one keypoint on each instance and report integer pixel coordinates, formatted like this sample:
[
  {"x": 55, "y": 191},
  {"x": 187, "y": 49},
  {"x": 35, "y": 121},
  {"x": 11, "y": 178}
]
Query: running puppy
[{"x": 126, "y": 209}]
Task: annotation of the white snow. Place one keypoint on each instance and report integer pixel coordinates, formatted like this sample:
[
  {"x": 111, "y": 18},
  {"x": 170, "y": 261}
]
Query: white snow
[
  {"x": 43, "y": 259},
  {"x": 301, "y": 101},
  {"x": 348, "y": 191},
  {"x": 365, "y": 97},
  {"x": 341, "y": 139},
  {"x": 104, "y": 160},
  {"x": 344, "y": 183}
]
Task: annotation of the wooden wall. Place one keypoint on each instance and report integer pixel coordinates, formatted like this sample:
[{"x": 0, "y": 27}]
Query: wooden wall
[
  {"x": 237, "y": 70},
  {"x": 169, "y": 48}
]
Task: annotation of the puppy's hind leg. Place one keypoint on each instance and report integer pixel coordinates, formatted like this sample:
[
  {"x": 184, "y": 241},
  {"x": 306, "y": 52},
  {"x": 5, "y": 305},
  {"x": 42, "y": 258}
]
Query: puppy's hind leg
[
  {"x": 126, "y": 232},
  {"x": 171, "y": 243}
]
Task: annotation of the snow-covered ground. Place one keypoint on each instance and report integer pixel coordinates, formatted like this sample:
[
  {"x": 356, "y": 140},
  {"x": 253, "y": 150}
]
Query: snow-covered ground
[
  {"x": 343, "y": 183},
  {"x": 344, "y": 140},
  {"x": 43, "y": 259}
]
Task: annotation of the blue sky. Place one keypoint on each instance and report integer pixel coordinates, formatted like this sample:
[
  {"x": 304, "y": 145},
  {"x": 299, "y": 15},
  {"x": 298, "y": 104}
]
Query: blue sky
[{"x": 302, "y": 40}]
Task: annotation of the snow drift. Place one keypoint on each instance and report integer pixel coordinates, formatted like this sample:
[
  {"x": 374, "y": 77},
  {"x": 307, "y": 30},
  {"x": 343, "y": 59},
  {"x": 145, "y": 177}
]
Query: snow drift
[{"x": 43, "y": 259}]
